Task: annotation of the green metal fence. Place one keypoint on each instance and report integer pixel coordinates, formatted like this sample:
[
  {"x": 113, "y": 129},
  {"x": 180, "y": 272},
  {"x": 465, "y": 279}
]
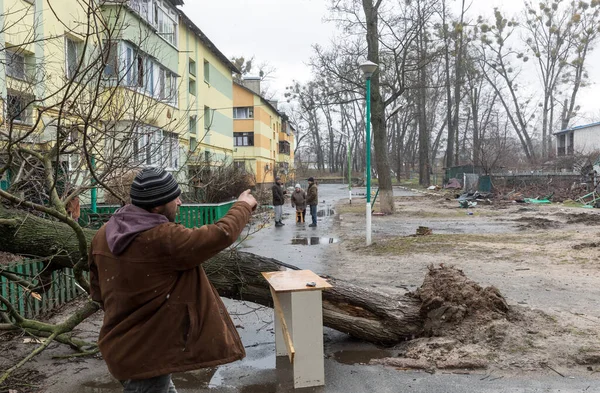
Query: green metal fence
[
  {"x": 30, "y": 304},
  {"x": 190, "y": 215},
  {"x": 64, "y": 288}
]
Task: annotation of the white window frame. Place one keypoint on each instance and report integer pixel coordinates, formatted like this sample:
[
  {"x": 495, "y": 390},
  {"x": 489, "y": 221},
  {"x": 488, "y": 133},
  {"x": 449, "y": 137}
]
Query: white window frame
[
  {"x": 243, "y": 112},
  {"x": 167, "y": 22},
  {"x": 155, "y": 147}
]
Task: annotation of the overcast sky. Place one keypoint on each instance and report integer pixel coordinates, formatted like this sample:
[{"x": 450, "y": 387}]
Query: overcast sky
[{"x": 282, "y": 32}]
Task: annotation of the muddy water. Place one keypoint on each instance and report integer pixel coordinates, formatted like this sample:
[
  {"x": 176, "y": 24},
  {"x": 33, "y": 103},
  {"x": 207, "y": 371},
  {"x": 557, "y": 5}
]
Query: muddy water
[{"x": 313, "y": 241}]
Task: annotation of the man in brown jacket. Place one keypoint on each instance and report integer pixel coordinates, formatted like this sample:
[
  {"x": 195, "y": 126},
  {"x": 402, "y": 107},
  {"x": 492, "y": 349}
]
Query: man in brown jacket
[{"x": 161, "y": 314}]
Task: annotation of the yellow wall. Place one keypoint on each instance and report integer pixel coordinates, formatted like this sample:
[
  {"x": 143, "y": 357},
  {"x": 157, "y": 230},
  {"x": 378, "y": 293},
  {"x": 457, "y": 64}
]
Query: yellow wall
[
  {"x": 267, "y": 128},
  {"x": 216, "y": 96}
]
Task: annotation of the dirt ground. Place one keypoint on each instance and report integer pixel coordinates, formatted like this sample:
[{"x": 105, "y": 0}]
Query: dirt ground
[{"x": 543, "y": 259}]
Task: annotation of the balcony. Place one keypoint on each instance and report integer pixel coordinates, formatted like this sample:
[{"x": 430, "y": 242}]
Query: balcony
[{"x": 284, "y": 148}]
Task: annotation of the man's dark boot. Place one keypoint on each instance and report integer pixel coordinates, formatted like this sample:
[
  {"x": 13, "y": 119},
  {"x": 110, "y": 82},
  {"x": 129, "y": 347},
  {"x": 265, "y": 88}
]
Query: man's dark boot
[
  {"x": 278, "y": 224},
  {"x": 312, "y": 225}
]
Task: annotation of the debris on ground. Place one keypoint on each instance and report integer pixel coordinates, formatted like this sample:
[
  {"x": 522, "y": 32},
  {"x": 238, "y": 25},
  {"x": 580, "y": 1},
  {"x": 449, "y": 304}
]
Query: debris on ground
[
  {"x": 585, "y": 245},
  {"x": 466, "y": 204},
  {"x": 453, "y": 184},
  {"x": 582, "y": 218},
  {"x": 424, "y": 231},
  {"x": 537, "y": 223},
  {"x": 536, "y": 201}
]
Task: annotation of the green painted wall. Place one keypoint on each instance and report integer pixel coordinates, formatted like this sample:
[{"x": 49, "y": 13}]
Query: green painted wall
[
  {"x": 222, "y": 124},
  {"x": 220, "y": 82}
]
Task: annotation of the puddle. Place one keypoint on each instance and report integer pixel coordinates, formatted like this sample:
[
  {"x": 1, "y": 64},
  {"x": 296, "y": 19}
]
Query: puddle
[
  {"x": 325, "y": 212},
  {"x": 360, "y": 357},
  {"x": 199, "y": 379},
  {"x": 313, "y": 241}
]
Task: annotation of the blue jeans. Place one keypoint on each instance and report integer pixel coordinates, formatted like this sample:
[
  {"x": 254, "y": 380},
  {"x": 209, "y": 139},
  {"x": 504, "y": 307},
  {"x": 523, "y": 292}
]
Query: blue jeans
[
  {"x": 161, "y": 384},
  {"x": 313, "y": 213}
]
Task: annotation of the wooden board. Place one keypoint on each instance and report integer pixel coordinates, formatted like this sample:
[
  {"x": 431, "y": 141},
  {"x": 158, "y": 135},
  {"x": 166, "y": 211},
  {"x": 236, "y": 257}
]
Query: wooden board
[
  {"x": 284, "y": 328},
  {"x": 295, "y": 280}
]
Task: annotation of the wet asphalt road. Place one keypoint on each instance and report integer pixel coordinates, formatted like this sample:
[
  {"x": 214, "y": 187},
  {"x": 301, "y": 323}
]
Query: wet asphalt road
[{"x": 262, "y": 372}]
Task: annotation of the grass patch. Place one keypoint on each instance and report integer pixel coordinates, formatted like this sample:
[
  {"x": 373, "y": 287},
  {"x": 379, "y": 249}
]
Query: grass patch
[
  {"x": 355, "y": 208},
  {"x": 442, "y": 243}
]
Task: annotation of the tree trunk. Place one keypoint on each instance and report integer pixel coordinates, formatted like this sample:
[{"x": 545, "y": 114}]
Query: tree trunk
[
  {"x": 424, "y": 135},
  {"x": 475, "y": 111},
  {"x": 378, "y": 113},
  {"x": 449, "y": 120},
  {"x": 362, "y": 313}
]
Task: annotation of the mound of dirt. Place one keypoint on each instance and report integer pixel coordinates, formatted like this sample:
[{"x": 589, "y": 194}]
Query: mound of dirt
[
  {"x": 449, "y": 297},
  {"x": 585, "y": 245},
  {"x": 583, "y": 218},
  {"x": 471, "y": 327},
  {"x": 537, "y": 223}
]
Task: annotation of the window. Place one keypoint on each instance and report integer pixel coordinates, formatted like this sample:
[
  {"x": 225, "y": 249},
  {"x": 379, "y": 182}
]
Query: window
[
  {"x": 284, "y": 147},
  {"x": 193, "y": 144},
  {"x": 206, "y": 71},
  {"x": 192, "y": 68},
  {"x": 111, "y": 59},
  {"x": 208, "y": 118},
  {"x": 243, "y": 113},
  {"x": 153, "y": 146},
  {"x": 240, "y": 166},
  {"x": 143, "y": 8},
  {"x": 192, "y": 87},
  {"x": 15, "y": 65},
  {"x": 167, "y": 85},
  {"x": 192, "y": 125},
  {"x": 18, "y": 107},
  {"x": 164, "y": 18},
  {"x": 161, "y": 15},
  {"x": 72, "y": 57},
  {"x": 243, "y": 139}
]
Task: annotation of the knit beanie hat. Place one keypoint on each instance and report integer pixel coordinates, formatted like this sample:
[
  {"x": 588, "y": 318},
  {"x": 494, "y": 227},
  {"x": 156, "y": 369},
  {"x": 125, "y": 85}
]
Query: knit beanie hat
[{"x": 153, "y": 187}]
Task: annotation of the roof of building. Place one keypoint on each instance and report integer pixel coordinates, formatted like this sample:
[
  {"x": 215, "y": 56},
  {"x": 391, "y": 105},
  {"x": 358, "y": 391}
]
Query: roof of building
[
  {"x": 263, "y": 99},
  {"x": 206, "y": 41},
  {"x": 575, "y": 128}
]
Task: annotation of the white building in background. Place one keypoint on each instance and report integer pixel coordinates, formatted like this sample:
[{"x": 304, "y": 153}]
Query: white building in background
[{"x": 582, "y": 139}]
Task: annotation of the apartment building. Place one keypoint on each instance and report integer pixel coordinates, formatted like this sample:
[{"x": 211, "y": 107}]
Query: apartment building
[
  {"x": 263, "y": 137},
  {"x": 140, "y": 82}
]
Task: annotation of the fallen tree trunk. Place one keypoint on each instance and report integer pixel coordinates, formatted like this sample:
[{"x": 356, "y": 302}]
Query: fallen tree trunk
[{"x": 362, "y": 313}]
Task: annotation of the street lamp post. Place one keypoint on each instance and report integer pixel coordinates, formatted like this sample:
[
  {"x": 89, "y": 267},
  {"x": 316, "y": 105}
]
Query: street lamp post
[
  {"x": 368, "y": 68},
  {"x": 349, "y": 173}
]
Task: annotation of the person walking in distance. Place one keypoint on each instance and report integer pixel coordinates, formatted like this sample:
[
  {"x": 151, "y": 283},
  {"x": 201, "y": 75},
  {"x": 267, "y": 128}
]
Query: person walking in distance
[
  {"x": 312, "y": 200},
  {"x": 299, "y": 202},
  {"x": 161, "y": 313},
  {"x": 278, "y": 199}
]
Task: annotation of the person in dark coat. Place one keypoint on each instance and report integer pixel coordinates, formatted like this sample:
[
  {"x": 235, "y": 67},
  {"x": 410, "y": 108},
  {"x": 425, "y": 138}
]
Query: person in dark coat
[
  {"x": 278, "y": 200},
  {"x": 312, "y": 199}
]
